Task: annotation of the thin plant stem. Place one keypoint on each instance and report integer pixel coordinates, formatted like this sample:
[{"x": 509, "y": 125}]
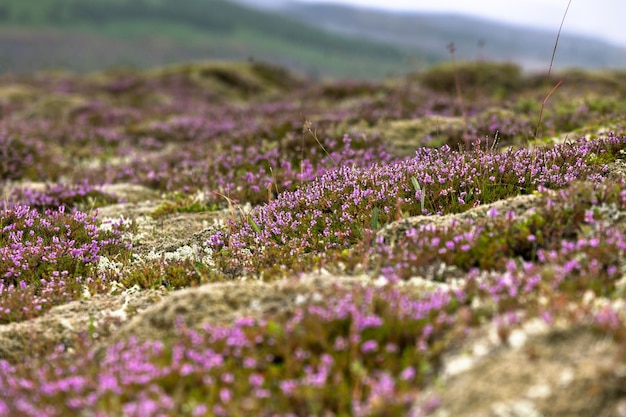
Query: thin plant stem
[
  {"x": 307, "y": 127},
  {"x": 269, "y": 187},
  {"x": 231, "y": 207},
  {"x": 457, "y": 84},
  {"x": 547, "y": 94}
]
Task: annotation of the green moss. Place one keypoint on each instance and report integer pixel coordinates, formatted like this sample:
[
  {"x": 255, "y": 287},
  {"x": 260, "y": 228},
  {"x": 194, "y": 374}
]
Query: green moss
[
  {"x": 182, "y": 203},
  {"x": 55, "y": 106},
  {"x": 231, "y": 79},
  {"x": 430, "y": 131},
  {"x": 18, "y": 94},
  {"x": 173, "y": 275},
  {"x": 491, "y": 78}
]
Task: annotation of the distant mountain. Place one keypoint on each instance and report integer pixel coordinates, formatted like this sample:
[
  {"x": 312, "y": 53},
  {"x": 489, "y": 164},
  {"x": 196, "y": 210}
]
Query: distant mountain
[
  {"x": 316, "y": 39},
  {"x": 264, "y": 4},
  {"x": 88, "y": 35},
  {"x": 428, "y": 34}
]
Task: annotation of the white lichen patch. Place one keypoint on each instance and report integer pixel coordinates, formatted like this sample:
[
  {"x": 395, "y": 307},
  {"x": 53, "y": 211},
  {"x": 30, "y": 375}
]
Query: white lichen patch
[
  {"x": 521, "y": 408},
  {"x": 186, "y": 252},
  {"x": 539, "y": 391},
  {"x": 457, "y": 365},
  {"x": 517, "y": 338},
  {"x": 109, "y": 268},
  {"x": 122, "y": 313},
  {"x": 566, "y": 377}
]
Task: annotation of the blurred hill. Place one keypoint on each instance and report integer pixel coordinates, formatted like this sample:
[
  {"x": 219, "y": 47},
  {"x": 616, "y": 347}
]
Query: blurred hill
[
  {"x": 87, "y": 35},
  {"x": 420, "y": 34},
  {"x": 316, "y": 39}
]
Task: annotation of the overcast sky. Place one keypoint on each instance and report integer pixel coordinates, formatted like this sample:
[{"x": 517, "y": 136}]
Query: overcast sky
[{"x": 605, "y": 19}]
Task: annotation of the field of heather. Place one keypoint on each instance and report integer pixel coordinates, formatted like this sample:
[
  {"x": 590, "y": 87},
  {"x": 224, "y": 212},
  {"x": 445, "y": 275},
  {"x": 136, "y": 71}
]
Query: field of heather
[{"x": 229, "y": 239}]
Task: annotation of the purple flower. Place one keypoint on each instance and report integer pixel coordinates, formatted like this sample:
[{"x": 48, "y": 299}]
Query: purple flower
[
  {"x": 225, "y": 395},
  {"x": 369, "y": 346},
  {"x": 288, "y": 386},
  {"x": 407, "y": 374},
  {"x": 256, "y": 380}
]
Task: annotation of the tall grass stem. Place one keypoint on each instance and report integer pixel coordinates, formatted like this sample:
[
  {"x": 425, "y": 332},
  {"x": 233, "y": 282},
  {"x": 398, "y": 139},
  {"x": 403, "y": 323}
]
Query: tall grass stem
[{"x": 547, "y": 94}]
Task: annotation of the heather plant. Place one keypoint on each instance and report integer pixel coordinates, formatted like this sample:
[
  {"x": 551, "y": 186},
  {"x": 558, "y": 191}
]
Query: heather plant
[
  {"x": 332, "y": 212},
  {"x": 546, "y": 236},
  {"x": 375, "y": 348},
  {"x": 104, "y": 150},
  {"x": 82, "y": 197},
  {"x": 359, "y": 352},
  {"x": 48, "y": 258},
  {"x": 319, "y": 201},
  {"x": 244, "y": 173},
  {"x": 18, "y": 156}
]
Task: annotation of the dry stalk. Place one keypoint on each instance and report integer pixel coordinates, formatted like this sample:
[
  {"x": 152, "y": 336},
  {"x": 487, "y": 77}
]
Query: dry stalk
[{"x": 547, "y": 94}]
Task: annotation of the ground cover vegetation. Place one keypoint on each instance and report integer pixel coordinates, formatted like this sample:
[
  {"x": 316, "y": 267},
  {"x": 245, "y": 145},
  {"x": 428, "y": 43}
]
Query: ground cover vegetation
[{"x": 395, "y": 181}]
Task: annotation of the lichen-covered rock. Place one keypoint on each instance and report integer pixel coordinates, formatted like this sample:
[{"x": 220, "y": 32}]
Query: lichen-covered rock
[{"x": 560, "y": 372}]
